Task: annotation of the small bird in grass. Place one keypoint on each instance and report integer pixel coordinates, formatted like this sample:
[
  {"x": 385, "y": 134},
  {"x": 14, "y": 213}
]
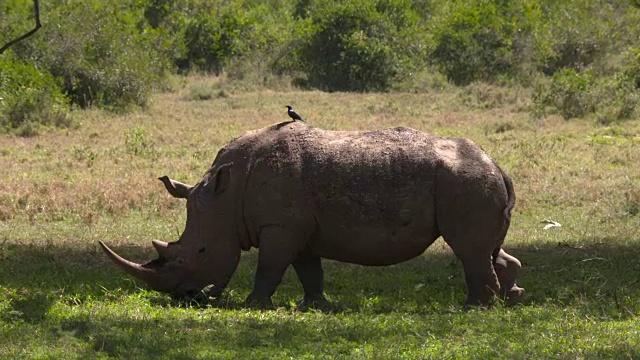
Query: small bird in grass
[{"x": 293, "y": 114}]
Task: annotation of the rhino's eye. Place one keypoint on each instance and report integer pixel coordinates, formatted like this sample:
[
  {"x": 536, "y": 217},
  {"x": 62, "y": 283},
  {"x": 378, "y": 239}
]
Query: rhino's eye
[
  {"x": 200, "y": 203},
  {"x": 201, "y": 250}
]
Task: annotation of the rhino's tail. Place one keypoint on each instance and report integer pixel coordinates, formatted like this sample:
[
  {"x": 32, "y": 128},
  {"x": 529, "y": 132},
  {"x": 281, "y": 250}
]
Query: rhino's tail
[
  {"x": 511, "y": 194},
  {"x": 511, "y": 202}
]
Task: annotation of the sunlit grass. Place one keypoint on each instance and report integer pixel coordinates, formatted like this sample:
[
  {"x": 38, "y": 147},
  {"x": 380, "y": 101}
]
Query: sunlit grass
[{"x": 62, "y": 192}]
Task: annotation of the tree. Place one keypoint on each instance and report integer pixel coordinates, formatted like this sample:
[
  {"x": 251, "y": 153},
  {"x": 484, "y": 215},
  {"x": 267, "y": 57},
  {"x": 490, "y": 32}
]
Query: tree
[{"x": 36, "y": 11}]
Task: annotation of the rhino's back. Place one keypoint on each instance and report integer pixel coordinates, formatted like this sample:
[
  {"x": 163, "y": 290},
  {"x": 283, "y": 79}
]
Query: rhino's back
[{"x": 371, "y": 193}]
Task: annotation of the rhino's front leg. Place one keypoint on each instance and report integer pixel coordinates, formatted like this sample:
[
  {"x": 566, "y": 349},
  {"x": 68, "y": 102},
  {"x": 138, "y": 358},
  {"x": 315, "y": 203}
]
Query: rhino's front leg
[
  {"x": 275, "y": 255},
  {"x": 309, "y": 270},
  {"x": 266, "y": 281}
]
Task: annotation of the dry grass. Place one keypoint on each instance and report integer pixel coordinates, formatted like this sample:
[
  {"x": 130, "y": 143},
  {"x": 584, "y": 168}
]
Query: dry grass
[{"x": 108, "y": 167}]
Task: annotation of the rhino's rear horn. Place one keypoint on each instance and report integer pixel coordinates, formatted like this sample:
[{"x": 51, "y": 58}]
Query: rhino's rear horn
[
  {"x": 150, "y": 275},
  {"x": 168, "y": 251}
]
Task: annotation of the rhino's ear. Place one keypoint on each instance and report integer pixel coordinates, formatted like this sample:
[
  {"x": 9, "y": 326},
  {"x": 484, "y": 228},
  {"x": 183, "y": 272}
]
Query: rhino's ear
[
  {"x": 220, "y": 180},
  {"x": 176, "y": 188}
]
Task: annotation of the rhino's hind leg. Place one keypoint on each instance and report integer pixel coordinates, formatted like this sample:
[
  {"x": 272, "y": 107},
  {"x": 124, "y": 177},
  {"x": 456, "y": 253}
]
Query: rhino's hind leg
[
  {"x": 475, "y": 252},
  {"x": 482, "y": 281},
  {"x": 310, "y": 273},
  {"x": 507, "y": 267}
]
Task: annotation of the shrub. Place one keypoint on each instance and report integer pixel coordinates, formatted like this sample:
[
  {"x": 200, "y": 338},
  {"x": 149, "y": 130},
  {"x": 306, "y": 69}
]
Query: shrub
[
  {"x": 568, "y": 92},
  {"x": 631, "y": 69},
  {"x": 212, "y": 39},
  {"x": 575, "y": 94},
  {"x": 618, "y": 96},
  {"x": 617, "y": 100},
  {"x": 137, "y": 143},
  {"x": 200, "y": 92},
  {"x": 157, "y": 11},
  {"x": 29, "y": 99},
  {"x": 356, "y": 46},
  {"x": 576, "y": 34},
  {"x": 99, "y": 52},
  {"x": 473, "y": 41}
]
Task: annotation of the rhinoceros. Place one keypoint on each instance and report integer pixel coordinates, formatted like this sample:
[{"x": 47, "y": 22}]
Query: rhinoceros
[{"x": 300, "y": 194}]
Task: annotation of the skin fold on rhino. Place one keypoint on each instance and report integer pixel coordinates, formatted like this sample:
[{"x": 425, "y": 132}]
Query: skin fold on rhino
[{"x": 300, "y": 194}]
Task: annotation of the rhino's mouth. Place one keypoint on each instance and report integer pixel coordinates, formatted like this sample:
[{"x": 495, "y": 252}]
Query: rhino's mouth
[{"x": 158, "y": 273}]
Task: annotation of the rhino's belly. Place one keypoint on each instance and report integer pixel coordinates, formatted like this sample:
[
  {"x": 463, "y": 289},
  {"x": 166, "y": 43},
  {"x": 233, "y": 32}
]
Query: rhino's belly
[
  {"x": 375, "y": 227},
  {"x": 375, "y": 246}
]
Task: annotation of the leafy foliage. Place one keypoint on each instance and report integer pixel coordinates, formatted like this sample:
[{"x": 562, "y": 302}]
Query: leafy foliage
[
  {"x": 575, "y": 94},
  {"x": 29, "y": 99},
  {"x": 576, "y": 39},
  {"x": 111, "y": 65},
  {"x": 114, "y": 54},
  {"x": 473, "y": 42},
  {"x": 357, "y": 45},
  {"x": 99, "y": 56},
  {"x": 568, "y": 92},
  {"x": 617, "y": 98},
  {"x": 137, "y": 143},
  {"x": 213, "y": 38}
]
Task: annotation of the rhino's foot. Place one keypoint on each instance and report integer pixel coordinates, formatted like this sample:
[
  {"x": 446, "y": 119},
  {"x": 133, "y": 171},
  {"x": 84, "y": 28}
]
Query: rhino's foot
[
  {"x": 317, "y": 303},
  {"x": 513, "y": 295},
  {"x": 262, "y": 303}
]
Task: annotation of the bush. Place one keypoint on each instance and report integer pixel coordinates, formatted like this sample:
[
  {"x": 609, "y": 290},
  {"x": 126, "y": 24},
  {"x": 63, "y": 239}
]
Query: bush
[
  {"x": 617, "y": 99},
  {"x": 574, "y": 40},
  {"x": 212, "y": 39},
  {"x": 15, "y": 19},
  {"x": 29, "y": 99},
  {"x": 473, "y": 41},
  {"x": 99, "y": 52},
  {"x": 575, "y": 94},
  {"x": 569, "y": 93},
  {"x": 356, "y": 46},
  {"x": 618, "y": 96},
  {"x": 631, "y": 69},
  {"x": 137, "y": 143},
  {"x": 113, "y": 54}
]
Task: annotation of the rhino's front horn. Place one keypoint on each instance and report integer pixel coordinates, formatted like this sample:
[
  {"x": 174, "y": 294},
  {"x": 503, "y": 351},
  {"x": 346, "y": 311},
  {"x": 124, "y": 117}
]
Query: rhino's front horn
[{"x": 153, "y": 275}]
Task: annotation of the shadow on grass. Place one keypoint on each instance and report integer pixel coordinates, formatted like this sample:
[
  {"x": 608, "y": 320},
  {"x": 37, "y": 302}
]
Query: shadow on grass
[
  {"x": 236, "y": 338},
  {"x": 599, "y": 279},
  {"x": 602, "y": 272},
  {"x": 64, "y": 269}
]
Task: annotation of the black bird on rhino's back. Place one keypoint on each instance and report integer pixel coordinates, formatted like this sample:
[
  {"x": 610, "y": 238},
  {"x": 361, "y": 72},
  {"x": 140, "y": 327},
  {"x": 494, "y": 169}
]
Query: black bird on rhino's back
[{"x": 293, "y": 114}]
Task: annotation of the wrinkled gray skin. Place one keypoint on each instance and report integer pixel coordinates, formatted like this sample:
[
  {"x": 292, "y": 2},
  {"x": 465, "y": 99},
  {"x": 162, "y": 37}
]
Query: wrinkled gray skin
[{"x": 300, "y": 194}]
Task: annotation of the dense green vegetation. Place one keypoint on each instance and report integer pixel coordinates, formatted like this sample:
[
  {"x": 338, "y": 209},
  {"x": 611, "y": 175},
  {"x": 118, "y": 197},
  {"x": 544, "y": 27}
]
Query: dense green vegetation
[{"x": 576, "y": 58}]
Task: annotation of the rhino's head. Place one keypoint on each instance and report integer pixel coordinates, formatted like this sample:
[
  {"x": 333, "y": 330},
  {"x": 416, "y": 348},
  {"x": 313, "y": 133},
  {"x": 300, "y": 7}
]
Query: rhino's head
[{"x": 207, "y": 253}]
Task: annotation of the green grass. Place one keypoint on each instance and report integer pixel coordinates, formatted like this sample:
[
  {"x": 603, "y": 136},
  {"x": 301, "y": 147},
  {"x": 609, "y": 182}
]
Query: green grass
[{"x": 60, "y": 193}]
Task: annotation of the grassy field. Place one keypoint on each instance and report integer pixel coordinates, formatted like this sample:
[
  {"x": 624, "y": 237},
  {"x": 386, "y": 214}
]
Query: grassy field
[{"x": 61, "y": 192}]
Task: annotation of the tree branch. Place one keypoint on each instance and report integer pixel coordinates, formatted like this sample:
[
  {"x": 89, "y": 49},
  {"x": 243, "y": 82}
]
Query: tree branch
[{"x": 36, "y": 12}]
